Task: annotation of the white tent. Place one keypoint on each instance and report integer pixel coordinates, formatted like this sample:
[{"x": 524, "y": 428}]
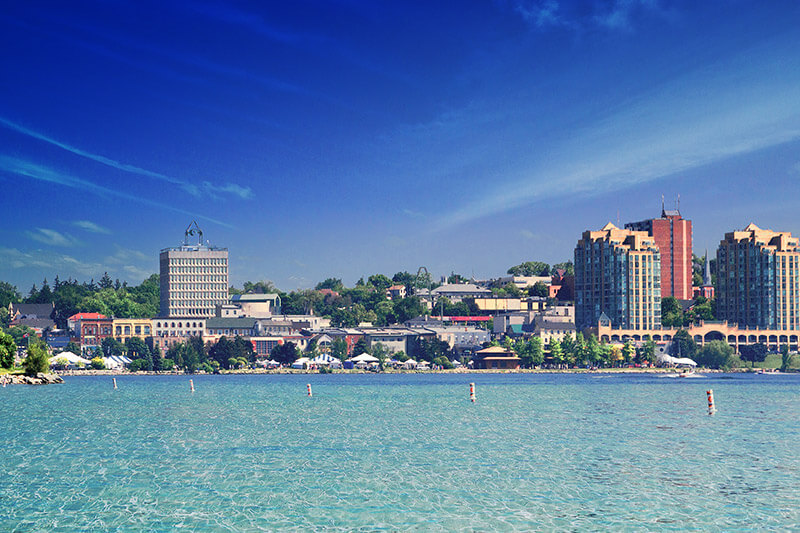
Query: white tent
[
  {"x": 69, "y": 357},
  {"x": 364, "y": 358},
  {"x": 676, "y": 361},
  {"x": 409, "y": 364},
  {"x": 327, "y": 360},
  {"x": 118, "y": 361},
  {"x": 301, "y": 363}
]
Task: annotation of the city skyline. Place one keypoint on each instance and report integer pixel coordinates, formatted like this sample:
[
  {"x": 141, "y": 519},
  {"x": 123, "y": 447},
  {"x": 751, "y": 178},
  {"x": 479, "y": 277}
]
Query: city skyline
[{"x": 363, "y": 139}]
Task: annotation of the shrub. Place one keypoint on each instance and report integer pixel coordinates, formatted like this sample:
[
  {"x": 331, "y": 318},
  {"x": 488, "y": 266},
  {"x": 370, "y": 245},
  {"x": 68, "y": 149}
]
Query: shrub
[
  {"x": 98, "y": 364},
  {"x": 167, "y": 364},
  {"x": 443, "y": 362},
  {"x": 36, "y": 361},
  {"x": 138, "y": 365}
]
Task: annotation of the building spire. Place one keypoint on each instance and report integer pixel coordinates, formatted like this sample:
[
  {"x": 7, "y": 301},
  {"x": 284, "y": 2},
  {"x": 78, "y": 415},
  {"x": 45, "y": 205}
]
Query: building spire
[
  {"x": 706, "y": 271},
  {"x": 663, "y": 211}
]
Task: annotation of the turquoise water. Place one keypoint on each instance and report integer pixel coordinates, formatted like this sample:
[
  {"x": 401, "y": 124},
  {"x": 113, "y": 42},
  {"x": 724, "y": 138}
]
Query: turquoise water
[{"x": 401, "y": 452}]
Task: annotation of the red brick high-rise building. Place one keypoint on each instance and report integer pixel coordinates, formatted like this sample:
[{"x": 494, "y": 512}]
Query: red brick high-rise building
[{"x": 673, "y": 236}]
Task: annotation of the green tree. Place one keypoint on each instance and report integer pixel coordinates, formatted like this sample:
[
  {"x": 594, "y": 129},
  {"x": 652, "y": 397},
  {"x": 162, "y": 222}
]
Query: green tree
[
  {"x": 98, "y": 364},
  {"x": 8, "y": 349},
  {"x": 537, "y": 351},
  {"x": 361, "y": 346},
  {"x": 339, "y": 348},
  {"x": 570, "y": 349},
  {"x": 648, "y": 351},
  {"x": 111, "y": 346},
  {"x": 36, "y": 361},
  {"x": 334, "y": 284},
  {"x": 539, "y": 289},
  {"x": 381, "y": 352},
  {"x": 8, "y": 294},
  {"x": 285, "y": 353},
  {"x": 594, "y": 350},
  {"x": 530, "y": 268},
  {"x": 716, "y": 354},
  {"x": 786, "y": 358},
  {"x": 628, "y": 352},
  {"x": 671, "y": 312},
  {"x": 407, "y": 308},
  {"x": 73, "y": 347},
  {"x": 683, "y": 345},
  {"x": 567, "y": 266},
  {"x": 24, "y": 336},
  {"x": 556, "y": 353},
  {"x": 380, "y": 282},
  {"x": 755, "y": 353},
  {"x": 443, "y": 362}
]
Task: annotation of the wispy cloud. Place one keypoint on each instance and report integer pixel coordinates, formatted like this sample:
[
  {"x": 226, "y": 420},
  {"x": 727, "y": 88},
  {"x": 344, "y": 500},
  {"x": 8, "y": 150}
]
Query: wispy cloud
[
  {"x": 24, "y": 168},
  {"x": 47, "y": 262},
  {"x": 245, "y": 193},
  {"x": 672, "y": 129},
  {"x": 413, "y": 214},
  {"x": 124, "y": 256},
  {"x": 232, "y": 15},
  {"x": 607, "y": 14},
  {"x": 91, "y": 227},
  {"x": 51, "y": 237},
  {"x": 191, "y": 188}
]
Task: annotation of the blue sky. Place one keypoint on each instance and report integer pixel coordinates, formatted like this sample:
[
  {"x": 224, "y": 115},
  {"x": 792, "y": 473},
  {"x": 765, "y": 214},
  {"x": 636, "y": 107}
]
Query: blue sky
[{"x": 348, "y": 138}]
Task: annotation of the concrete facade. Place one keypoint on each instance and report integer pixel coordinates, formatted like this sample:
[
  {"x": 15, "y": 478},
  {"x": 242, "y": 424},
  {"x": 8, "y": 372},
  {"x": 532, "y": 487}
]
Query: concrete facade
[
  {"x": 617, "y": 273},
  {"x": 758, "y": 285},
  {"x": 194, "y": 278},
  {"x": 704, "y": 332}
]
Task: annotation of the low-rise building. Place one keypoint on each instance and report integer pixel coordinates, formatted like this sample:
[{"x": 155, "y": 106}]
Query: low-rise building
[
  {"x": 74, "y": 322},
  {"x": 495, "y": 358},
  {"x": 93, "y": 331},
  {"x": 396, "y": 291},
  {"x": 125, "y": 328},
  {"x": 178, "y": 327},
  {"x": 462, "y": 339}
]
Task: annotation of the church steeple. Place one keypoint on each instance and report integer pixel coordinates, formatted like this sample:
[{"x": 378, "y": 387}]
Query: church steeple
[{"x": 706, "y": 271}]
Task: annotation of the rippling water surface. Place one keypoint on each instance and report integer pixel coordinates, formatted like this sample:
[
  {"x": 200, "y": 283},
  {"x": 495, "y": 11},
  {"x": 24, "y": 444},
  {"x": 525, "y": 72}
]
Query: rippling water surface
[{"x": 401, "y": 452}]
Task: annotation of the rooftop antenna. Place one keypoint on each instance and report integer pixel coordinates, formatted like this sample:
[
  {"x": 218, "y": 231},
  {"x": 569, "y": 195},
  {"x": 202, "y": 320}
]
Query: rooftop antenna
[
  {"x": 678, "y": 205},
  {"x": 617, "y": 217},
  {"x": 193, "y": 229},
  {"x": 663, "y": 211}
]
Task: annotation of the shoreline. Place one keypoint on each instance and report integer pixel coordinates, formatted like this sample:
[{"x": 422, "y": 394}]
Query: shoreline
[{"x": 286, "y": 371}]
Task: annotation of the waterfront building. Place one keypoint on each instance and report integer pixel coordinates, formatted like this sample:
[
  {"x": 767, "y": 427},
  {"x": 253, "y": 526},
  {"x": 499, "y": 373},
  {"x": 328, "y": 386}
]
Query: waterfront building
[
  {"x": 617, "y": 273},
  {"x": 757, "y": 279},
  {"x": 74, "y": 321},
  {"x": 496, "y": 357},
  {"x": 673, "y": 236},
  {"x": 93, "y": 331},
  {"x": 125, "y": 328},
  {"x": 194, "y": 278}
]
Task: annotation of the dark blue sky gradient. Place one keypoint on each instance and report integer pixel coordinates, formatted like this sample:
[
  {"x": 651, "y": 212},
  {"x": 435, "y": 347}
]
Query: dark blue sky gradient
[{"x": 348, "y": 138}]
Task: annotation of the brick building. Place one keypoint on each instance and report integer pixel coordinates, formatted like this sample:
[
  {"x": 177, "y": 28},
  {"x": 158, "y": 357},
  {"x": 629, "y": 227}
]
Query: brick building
[{"x": 673, "y": 236}]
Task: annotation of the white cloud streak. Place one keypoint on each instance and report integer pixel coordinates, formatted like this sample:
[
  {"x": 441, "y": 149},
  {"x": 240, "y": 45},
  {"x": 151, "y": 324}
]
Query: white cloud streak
[
  {"x": 51, "y": 237},
  {"x": 707, "y": 116},
  {"x": 91, "y": 227},
  {"x": 24, "y": 168},
  {"x": 237, "y": 190}
]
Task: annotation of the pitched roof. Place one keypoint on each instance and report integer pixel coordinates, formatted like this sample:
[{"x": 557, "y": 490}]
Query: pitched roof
[
  {"x": 81, "y": 316},
  {"x": 33, "y": 310}
]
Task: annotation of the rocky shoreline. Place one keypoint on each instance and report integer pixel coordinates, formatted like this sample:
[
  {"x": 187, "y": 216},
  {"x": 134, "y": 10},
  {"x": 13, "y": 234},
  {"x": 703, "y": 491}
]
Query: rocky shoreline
[{"x": 39, "y": 379}]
